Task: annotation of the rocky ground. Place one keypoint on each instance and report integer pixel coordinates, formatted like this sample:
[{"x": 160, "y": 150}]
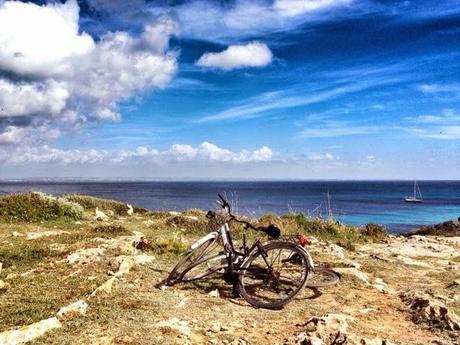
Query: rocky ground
[{"x": 89, "y": 281}]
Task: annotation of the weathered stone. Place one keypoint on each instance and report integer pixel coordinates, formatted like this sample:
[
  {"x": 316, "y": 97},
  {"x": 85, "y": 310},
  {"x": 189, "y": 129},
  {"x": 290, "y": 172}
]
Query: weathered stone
[
  {"x": 100, "y": 215},
  {"x": 30, "y": 332},
  {"x": 175, "y": 324},
  {"x": 425, "y": 309},
  {"x": 85, "y": 256},
  {"x": 105, "y": 287},
  {"x": 130, "y": 210},
  {"x": 2, "y": 285},
  {"x": 214, "y": 293},
  {"x": 215, "y": 327},
  {"x": 39, "y": 234},
  {"x": 77, "y": 308}
]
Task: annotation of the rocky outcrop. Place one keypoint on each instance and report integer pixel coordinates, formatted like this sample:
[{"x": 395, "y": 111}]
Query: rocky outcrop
[
  {"x": 332, "y": 329},
  {"x": 448, "y": 228},
  {"x": 426, "y": 309}
]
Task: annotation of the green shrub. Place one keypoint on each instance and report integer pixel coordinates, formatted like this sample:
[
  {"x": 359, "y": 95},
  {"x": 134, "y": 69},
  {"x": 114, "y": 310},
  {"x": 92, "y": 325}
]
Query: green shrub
[
  {"x": 89, "y": 203},
  {"x": 111, "y": 229},
  {"x": 170, "y": 246},
  {"x": 374, "y": 230},
  {"x": 330, "y": 229},
  {"x": 34, "y": 207}
]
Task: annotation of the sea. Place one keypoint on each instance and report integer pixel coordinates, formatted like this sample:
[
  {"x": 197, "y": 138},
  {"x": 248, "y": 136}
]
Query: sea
[{"x": 351, "y": 202}]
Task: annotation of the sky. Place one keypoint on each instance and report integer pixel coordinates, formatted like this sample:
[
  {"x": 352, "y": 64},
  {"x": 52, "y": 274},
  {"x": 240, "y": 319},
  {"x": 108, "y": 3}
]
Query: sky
[{"x": 206, "y": 89}]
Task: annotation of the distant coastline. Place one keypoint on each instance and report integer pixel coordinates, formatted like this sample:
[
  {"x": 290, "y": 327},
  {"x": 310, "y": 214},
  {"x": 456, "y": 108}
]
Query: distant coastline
[{"x": 352, "y": 202}]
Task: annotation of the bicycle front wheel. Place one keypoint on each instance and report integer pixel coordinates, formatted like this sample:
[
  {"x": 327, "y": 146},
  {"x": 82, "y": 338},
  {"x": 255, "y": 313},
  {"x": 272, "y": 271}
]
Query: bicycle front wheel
[
  {"x": 270, "y": 278},
  {"x": 322, "y": 277}
]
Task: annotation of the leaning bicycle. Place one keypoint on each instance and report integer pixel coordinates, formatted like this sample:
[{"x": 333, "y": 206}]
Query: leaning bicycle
[{"x": 265, "y": 275}]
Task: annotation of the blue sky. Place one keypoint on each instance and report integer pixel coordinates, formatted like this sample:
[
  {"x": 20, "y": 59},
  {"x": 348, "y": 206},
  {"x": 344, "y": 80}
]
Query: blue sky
[{"x": 341, "y": 89}]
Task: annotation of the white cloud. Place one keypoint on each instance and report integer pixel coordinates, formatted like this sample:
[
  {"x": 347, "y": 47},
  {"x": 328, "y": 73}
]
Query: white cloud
[
  {"x": 254, "y": 54},
  {"x": 20, "y": 99},
  {"x": 59, "y": 78},
  {"x": 445, "y": 126},
  {"x": 447, "y": 116},
  {"x": 441, "y": 132},
  {"x": 298, "y": 7},
  {"x": 41, "y": 40},
  {"x": 439, "y": 88},
  {"x": 182, "y": 153},
  {"x": 219, "y": 21},
  {"x": 12, "y": 135}
]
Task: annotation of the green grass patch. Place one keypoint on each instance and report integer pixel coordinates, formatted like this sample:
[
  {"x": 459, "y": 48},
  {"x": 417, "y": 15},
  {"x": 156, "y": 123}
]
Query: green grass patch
[
  {"x": 26, "y": 255},
  {"x": 35, "y": 207},
  {"x": 109, "y": 230},
  {"x": 329, "y": 230}
]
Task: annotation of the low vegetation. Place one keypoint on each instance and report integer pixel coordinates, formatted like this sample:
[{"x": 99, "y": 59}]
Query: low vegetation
[
  {"x": 38, "y": 278},
  {"x": 89, "y": 203},
  {"x": 35, "y": 207}
]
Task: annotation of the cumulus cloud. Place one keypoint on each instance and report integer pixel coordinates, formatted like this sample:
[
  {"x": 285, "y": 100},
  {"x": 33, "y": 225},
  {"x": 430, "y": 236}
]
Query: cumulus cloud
[
  {"x": 181, "y": 153},
  {"x": 254, "y": 54},
  {"x": 58, "y": 78},
  {"x": 41, "y": 40}
]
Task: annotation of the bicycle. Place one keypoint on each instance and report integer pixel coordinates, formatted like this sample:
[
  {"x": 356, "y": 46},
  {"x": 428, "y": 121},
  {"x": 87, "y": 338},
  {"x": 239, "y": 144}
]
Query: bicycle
[{"x": 252, "y": 271}]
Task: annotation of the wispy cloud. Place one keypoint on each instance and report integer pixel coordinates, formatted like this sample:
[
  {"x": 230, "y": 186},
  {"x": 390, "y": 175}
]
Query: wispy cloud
[
  {"x": 439, "y": 88},
  {"x": 445, "y": 126},
  {"x": 298, "y": 96}
]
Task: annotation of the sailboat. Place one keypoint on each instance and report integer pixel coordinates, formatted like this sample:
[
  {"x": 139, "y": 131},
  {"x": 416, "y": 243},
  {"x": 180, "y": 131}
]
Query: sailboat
[{"x": 414, "y": 198}]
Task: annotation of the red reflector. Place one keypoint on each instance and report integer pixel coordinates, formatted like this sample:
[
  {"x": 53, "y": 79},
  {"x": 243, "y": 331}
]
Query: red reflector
[{"x": 302, "y": 240}]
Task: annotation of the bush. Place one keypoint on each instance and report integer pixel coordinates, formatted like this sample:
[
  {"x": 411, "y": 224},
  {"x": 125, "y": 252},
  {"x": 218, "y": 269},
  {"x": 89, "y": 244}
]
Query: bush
[
  {"x": 330, "y": 229},
  {"x": 170, "y": 246},
  {"x": 34, "y": 207},
  {"x": 111, "y": 230},
  {"x": 90, "y": 203},
  {"x": 374, "y": 230}
]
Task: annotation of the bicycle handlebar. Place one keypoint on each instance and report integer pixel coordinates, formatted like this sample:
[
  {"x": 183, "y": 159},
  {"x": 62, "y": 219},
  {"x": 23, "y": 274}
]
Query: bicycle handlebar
[{"x": 271, "y": 230}]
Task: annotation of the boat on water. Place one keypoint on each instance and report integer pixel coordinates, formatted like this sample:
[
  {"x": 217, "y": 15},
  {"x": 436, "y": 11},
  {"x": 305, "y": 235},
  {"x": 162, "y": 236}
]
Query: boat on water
[{"x": 417, "y": 197}]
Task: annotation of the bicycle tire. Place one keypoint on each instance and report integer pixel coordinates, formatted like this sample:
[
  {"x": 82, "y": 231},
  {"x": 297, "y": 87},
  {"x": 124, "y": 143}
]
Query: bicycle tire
[
  {"x": 189, "y": 258},
  {"x": 257, "y": 276},
  {"x": 205, "y": 267},
  {"x": 322, "y": 277}
]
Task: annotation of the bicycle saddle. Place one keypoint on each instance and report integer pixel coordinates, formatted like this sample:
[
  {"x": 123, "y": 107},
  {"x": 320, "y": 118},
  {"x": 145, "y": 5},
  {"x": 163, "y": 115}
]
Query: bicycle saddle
[{"x": 272, "y": 230}]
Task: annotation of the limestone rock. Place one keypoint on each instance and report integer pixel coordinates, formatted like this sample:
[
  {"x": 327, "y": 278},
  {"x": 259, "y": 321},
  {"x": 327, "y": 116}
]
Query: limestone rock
[
  {"x": 100, "y": 215},
  {"x": 105, "y": 287},
  {"x": 332, "y": 329},
  {"x": 425, "y": 309},
  {"x": 69, "y": 311},
  {"x": 39, "y": 234},
  {"x": 85, "y": 256},
  {"x": 130, "y": 211},
  {"x": 30, "y": 332},
  {"x": 175, "y": 324},
  {"x": 214, "y": 293}
]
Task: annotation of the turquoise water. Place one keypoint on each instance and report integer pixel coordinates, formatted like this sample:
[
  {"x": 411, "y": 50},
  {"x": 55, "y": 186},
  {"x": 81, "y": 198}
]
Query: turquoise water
[{"x": 353, "y": 202}]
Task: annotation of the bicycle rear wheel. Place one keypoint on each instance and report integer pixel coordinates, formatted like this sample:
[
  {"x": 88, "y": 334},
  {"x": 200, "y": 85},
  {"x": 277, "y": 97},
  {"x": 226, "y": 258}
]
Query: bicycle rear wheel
[
  {"x": 205, "y": 267},
  {"x": 322, "y": 277},
  {"x": 195, "y": 252},
  {"x": 270, "y": 278}
]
